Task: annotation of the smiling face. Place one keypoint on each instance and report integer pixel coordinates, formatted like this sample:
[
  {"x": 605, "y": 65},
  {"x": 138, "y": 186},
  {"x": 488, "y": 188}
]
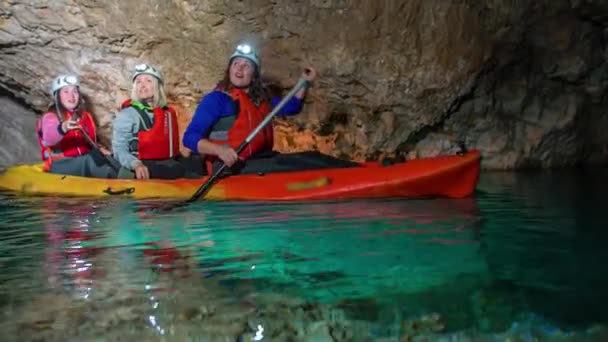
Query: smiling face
[
  {"x": 241, "y": 72},
  {"x": 146, "y": 87},
  {"x": 69, "y": 97}
]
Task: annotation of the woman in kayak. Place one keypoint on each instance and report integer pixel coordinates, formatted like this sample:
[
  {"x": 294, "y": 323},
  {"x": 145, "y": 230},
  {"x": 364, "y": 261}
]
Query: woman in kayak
[
  {"x": 67, "y": 135},
  {"x": 227, "y": 115},
  {"x": 145, "y": 136}
]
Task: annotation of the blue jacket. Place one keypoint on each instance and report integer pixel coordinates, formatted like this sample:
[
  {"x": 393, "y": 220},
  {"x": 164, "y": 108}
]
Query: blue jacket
[{"x": 218, "y": 104}]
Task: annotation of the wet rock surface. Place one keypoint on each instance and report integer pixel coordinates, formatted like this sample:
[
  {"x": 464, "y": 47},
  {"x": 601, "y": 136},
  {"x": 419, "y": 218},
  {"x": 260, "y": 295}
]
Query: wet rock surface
[
  {"x": 100, "y": 294},
  {"x": 101, "y": 303},
  {"x": 523, "y": 81},
  {"x": 17, "y": 133},
  {"x": 183, "y": 315}
]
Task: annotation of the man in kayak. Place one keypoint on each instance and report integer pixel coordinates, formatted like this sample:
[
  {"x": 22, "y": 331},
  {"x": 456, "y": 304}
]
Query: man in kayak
[
  {"x": 67, "y": 135},
  {"x": 145, "y": 136},
  {"x": 226, "y": 115}
]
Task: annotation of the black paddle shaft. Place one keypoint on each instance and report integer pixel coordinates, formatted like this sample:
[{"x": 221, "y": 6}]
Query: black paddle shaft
[
  {"x": 203, "y": 188},
  {"x": 113, "y": 163}
]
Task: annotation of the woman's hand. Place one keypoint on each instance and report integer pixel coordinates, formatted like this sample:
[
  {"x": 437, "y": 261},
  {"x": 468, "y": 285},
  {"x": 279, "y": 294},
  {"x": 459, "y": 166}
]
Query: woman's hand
[
  {"x": 105, "y": 151},
  {"x": 309, "y": 74},
  {"x": 141, "y": 171},
  {"x": 69, "y": 125},
  {"x": 227, "y": 155}
]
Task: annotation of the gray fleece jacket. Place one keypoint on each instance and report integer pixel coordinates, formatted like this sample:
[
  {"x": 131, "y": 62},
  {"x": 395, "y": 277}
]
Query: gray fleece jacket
[{"x": 125, "y": 127}]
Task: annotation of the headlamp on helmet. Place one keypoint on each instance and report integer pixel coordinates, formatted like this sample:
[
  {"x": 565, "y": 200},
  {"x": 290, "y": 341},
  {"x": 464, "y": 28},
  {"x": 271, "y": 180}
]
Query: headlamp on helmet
[
  {"x": 246, "y": 51},
  {"x": 64, "y": 81},
  {"x": 147, "y": 69},
  {"x": 244, "y": 48}
]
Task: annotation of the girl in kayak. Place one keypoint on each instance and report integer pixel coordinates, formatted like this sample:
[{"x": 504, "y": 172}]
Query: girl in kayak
[
  {"x": 145, "y": 136},
  {"x": 240, "y": 102},
  {"x": 67, "y": 135}
]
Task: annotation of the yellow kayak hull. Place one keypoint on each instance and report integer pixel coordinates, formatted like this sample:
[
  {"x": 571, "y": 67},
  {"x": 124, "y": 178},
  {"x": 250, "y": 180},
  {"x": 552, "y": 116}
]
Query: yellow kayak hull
[{"x": 452, "y": 176}]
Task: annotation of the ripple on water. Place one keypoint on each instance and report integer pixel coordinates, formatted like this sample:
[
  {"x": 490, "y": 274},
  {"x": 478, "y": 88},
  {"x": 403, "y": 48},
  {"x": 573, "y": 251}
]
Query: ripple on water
[{"x": 519, "y": 250}]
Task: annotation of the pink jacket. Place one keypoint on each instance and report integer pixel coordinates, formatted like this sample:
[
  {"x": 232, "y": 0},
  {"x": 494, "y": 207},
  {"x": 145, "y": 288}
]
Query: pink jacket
[{"x": 50, "y": 132}]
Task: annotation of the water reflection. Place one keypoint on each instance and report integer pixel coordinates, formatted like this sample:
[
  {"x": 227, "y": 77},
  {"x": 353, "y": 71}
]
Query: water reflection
[
  {"x": 544, "y": 235},
  {"x": 328, "y": 251},
  {"x": 523, "y": 244},
  {"x": 70, "y": 251},
  {"x": 336, "y": 245}
]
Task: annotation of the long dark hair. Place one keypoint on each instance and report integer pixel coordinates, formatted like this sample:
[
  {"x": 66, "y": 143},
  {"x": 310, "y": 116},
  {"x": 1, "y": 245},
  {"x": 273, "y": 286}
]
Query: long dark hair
[
  {"x": 59, "y": 110},
  {"x": 258, "y": 92}
]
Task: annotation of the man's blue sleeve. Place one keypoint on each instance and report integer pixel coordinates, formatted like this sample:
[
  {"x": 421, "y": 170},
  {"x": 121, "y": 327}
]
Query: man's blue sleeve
[
  {"x": 292, "y": 107},
  {"x": 207, "y": 113}
]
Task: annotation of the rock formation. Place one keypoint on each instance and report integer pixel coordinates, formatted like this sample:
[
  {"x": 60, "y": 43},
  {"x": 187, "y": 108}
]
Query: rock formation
[
  {"x": 17, "y": 134},
  {"x": 521, "y": 80}
]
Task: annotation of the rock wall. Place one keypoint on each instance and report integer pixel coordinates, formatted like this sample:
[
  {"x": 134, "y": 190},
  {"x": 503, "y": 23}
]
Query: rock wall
[
  {"x": 521, "y": 80},
  {"x": 17, "y": 133},
  {"x": 541, "y": 100}
]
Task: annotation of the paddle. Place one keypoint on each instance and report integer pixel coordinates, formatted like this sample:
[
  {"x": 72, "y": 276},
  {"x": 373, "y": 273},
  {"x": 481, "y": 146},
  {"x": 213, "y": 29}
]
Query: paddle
[
  {"x": 205, "y": 187},
  {"x": 210, "y": 181},
  {"x": 97, "y": 149}
]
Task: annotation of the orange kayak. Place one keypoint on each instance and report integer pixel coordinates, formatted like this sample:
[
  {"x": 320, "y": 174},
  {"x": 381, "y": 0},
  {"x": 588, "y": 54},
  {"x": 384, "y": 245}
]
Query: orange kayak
[{"x": 452, "y": 176}]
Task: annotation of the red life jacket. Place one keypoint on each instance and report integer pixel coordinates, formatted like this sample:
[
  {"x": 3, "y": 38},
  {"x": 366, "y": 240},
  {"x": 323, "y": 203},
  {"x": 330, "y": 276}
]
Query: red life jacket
[
  {"x": 249, "y": 116},
  {"x": 159, "y": 139},
  {"x": 73, "y": 144}
]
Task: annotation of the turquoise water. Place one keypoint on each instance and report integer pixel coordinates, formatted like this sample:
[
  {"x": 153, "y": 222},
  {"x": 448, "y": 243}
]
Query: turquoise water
[{"x": 524, "y": 255}]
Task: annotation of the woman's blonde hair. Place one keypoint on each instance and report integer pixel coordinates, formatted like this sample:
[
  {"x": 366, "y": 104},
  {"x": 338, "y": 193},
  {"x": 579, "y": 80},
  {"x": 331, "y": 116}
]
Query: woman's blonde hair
[{"x": 160, "y": 98}]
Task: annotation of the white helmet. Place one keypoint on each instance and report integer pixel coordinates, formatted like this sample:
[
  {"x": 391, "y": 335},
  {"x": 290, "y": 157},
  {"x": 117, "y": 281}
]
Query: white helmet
[
  {"x": 64, "y": 81},
  {"x": 147, "y": 69},
  {"x": 246, "y": 51}
]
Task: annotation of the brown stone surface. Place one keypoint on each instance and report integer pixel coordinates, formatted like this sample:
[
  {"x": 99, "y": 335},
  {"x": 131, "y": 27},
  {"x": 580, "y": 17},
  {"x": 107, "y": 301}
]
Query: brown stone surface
[
  {"x": 523, "y": 81},
  {"x": 17, "y": 132}
]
